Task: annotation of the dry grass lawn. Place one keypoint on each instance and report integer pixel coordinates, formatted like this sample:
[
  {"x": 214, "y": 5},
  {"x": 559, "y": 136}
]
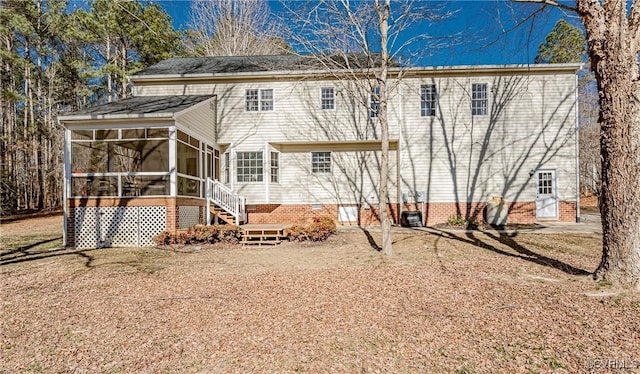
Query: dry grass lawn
[{"x": 448, "y": 302}]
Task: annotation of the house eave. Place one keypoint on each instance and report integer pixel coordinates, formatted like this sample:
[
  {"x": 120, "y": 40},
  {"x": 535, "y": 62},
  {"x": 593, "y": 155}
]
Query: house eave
[
  {"x": 336, "y": 146},
  {"x": 106, "y": 117},
  {"x": 568, "y": 68}
]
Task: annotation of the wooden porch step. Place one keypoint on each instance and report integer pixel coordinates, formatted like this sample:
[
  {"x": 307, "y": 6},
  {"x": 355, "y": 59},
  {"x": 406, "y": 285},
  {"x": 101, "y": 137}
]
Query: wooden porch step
[
  {"x": 257, "y": 235},
  {"x": 224, "y": 215}
]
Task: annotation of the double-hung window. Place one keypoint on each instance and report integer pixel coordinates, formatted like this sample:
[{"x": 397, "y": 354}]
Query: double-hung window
[
  {"x": 479, "y": 99},
  {"x": 227, "y": 163},
  {"x": 327, "y": 98},
  {"x": 266, "y": 100},
  {"x": 249, "y": 167},
  {"x": 258, "y": 100},
  {"x": 275, "y": 167},
  {"x": 428, "y": 100},
  {"x": 374, "y": 102},
  {"x": 321, "y": 162}
]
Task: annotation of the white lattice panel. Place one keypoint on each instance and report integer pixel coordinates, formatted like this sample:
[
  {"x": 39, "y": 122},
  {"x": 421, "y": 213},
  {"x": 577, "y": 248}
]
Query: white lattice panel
[
  {"x": 152, "y": 222},
  {"x": 188, "y": 216},
  {"x": 119, "y": 226},
  {"x": 87, "y": 227}
]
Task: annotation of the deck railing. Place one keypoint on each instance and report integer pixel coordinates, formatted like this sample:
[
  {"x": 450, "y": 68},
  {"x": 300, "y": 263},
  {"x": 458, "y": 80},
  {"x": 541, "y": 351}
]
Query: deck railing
[{"x": 225, "y": 198}]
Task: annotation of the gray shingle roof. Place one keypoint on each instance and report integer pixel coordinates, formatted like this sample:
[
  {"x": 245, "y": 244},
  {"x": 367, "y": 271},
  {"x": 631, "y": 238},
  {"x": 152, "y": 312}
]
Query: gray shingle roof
[
  {"x": 249, "y": 64},
  {"x": 143, "y": 105}
]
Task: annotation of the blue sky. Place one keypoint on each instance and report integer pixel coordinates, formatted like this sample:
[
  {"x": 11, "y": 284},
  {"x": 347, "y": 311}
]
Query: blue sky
[{"x": 480, "y": 25}]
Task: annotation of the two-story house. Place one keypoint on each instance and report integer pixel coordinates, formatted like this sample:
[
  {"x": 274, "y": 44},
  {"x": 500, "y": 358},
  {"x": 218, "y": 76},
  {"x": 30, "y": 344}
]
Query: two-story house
[{"x": 276, "y": 139}]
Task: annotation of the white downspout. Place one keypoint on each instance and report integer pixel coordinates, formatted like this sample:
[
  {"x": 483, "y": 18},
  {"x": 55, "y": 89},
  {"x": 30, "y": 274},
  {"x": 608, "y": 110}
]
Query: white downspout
[
  {"x": 577, "y": 135},
  {"x": 398, "y": 156}
]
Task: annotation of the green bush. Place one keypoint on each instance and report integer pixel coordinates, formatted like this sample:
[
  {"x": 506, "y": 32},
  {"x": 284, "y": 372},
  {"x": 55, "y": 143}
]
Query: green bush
[
  {"x": 201, "y": 234},
  {"x": 319, "y": 230}
]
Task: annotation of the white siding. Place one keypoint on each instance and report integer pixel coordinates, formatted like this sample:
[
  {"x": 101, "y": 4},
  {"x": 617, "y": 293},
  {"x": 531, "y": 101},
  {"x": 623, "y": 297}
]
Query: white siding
[
  {"x": 453, "y": 156},
  {"x": 458, "y": 157},
  {"x": 200, "y": 120}
]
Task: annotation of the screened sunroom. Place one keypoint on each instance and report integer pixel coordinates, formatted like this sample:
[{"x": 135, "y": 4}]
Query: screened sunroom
[{"x": 136, "y": 167}]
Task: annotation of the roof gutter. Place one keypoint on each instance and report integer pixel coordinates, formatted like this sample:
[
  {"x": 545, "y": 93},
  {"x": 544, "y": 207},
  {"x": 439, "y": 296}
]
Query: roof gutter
[{"x": 411, "y": 71}]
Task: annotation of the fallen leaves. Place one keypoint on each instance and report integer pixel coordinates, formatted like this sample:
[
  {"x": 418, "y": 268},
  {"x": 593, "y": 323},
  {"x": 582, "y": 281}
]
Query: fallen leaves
[{"x": 438, "y": 305}]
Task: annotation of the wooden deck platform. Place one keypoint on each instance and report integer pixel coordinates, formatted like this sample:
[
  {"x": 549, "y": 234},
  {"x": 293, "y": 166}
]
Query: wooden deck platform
[{"x": 263, "y": 233}]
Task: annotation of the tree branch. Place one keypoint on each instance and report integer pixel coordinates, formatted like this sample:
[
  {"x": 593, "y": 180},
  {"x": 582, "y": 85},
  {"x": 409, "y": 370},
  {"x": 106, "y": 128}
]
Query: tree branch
[
  {"x": 548, "y": 2},
  {"x": 634, "y": 24}
]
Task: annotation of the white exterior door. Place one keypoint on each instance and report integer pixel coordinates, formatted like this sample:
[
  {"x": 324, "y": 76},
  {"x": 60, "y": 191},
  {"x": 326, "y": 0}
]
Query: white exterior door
[{"x": 546, "y": 196}]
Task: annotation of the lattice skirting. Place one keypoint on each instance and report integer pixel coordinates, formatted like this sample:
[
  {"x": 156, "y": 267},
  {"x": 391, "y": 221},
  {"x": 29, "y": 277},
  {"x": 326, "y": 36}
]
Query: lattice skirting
[
  {"x": 188, "y": 216},
  {"x": 99, "y": 227}
]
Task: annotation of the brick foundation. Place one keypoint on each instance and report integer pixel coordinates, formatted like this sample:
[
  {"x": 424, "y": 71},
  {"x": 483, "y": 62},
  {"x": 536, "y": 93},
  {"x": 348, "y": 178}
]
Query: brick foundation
[{"x": 433, "y": 213}]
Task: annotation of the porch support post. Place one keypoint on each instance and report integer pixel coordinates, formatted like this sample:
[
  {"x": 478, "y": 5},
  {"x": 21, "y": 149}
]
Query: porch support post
[
  {"x": 237, "y": 209},
  {"x": 66, "y": 176},
  {"x": 266, "y": 162},
  {"x": 173, "y": 176},
  {"x": 208, "y": 201}
]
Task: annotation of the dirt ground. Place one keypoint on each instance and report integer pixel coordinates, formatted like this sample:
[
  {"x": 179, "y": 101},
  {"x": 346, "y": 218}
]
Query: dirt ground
[{"x": 445, "y": 302}]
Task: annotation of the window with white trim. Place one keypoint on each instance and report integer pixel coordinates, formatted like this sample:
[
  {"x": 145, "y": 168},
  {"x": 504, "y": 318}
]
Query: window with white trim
[
  {"x": 428, "y": 100},
  {"x": 227, "y": 163},
  {"x": 258, "y": 100},
  {"x": 266, "y": 100},
  {"x": 249, "y": 167},
  {"x": 374, "y": 102},
  {"x": 251, "y": 101},
  {"x": 327, "y": 98},
  {"x": 479, "y": 99},
  {"x": 321, "y": 162},
  {"x": 275, "y": 167}
]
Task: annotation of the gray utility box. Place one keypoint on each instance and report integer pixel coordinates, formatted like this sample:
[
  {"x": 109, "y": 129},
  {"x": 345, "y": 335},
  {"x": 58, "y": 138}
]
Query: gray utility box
[{"x": 411, "y": 219}]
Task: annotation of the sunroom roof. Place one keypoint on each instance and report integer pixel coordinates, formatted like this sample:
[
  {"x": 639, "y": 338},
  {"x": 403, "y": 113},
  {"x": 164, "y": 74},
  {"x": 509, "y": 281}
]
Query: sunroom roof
[{"x": 138, "y": 106}]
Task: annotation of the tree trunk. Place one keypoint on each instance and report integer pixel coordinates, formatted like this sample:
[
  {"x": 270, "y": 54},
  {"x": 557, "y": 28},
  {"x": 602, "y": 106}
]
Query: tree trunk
[
  {"x": 383, "y": 14},
  {"x": 613, "y": 50}
]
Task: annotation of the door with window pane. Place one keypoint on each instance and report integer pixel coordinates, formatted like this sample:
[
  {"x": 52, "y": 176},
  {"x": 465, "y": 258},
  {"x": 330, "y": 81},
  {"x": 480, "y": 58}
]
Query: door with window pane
[{"x": 546, "y": 196}]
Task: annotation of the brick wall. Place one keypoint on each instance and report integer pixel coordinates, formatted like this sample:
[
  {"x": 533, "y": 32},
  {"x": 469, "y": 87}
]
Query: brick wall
[{"x": 433, "y": 213}]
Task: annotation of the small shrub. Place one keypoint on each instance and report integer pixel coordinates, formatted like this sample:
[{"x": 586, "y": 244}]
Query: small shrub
[
  {"x": 319, "y": 230},
  {"x": 164, "y": 238},
  {"x": 201, "y": 234},
  {"x": 229, "y": 234},
  {"x": 456, "y": 220},
  {"x": 298, "y": 233}
]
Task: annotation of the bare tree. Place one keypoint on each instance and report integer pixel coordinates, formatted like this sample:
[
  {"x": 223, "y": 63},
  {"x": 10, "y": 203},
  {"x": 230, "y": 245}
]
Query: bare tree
[
  {"x": 233, "y": 28},
  {"x": 360, "y": 45},
  {"x": 613, "y": 38}
]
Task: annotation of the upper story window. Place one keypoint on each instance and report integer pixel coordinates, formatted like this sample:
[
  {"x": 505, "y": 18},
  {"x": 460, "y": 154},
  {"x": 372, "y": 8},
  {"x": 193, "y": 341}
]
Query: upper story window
[
  {"x": 479, "y": 99},
  {"x": 374, "y": 102},
  {"x": 249, "y": 166},
  {"x": 259, "y": 100},
  {"x": 428, "y": 100},
  {"x": 327, "y": 98},
  {"x": 321, "y": 162}
]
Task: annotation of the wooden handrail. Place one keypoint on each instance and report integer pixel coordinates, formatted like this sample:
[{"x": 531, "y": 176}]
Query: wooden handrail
[{"x": 226, "y": 198}]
